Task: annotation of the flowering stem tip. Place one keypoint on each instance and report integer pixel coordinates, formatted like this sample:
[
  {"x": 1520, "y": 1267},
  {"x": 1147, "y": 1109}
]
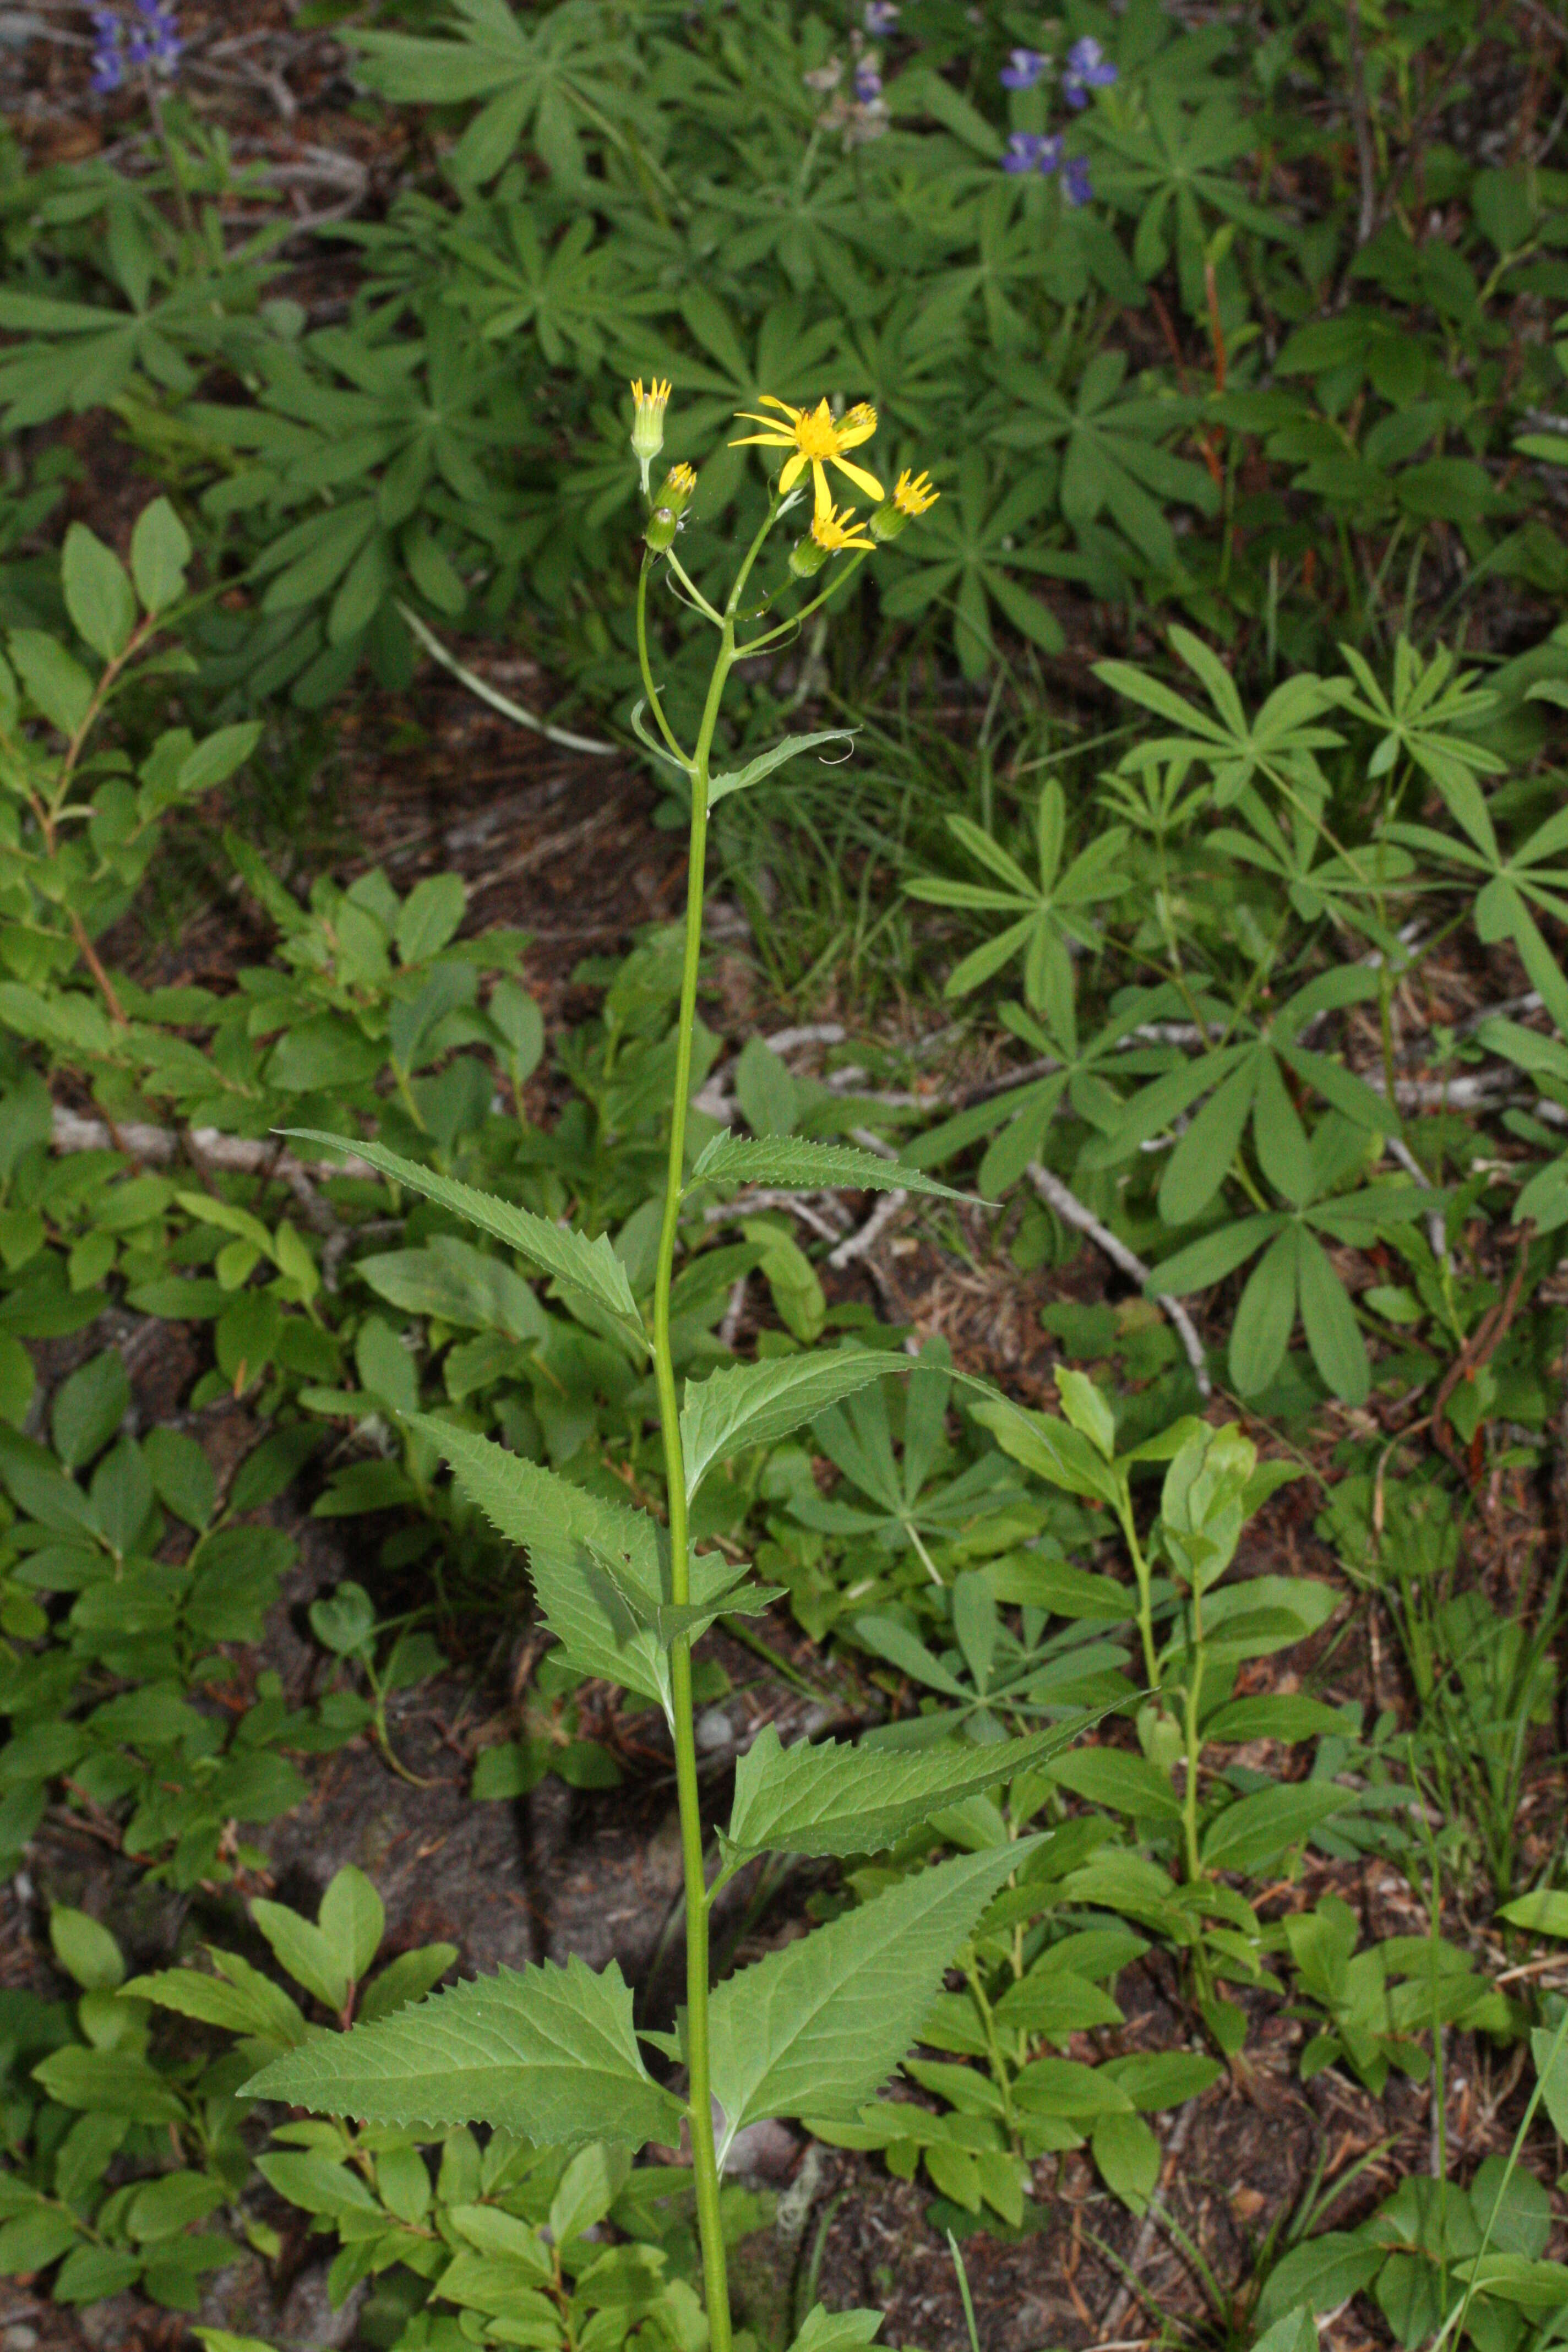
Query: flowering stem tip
[
  {"x": 648, "y": 422},
  {"x": 814, "y": 437}
]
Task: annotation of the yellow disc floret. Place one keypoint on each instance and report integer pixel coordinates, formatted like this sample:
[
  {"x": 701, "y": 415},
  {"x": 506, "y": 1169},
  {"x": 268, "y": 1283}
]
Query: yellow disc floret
[
  {"x": 814, "y": 437},
  {"x": 838, "y": 528}
]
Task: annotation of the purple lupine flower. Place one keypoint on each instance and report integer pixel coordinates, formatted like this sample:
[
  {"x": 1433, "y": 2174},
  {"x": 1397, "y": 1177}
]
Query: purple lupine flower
[
  {"x": 108, "y": 65},
  {"x": 155, "y": 41},
  {"x": 1031, "y": 150},
  {"x": 881, "y": 18},
  {"x": 1076, "y": 186},
  {"x": 1088, "y": 67},
  {"x": 867, "y": 82},
  {"x": 1023, "y": 69}
]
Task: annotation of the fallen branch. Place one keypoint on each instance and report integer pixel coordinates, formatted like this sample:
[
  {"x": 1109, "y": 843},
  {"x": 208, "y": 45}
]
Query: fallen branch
[
  {"x": 877, "y": 1224},
  {"x": 509, "y": 710},
  {"x": 1153, "y": 2216},
  {"x": 244, "y": 1155},
  {"x": 1437, "y": 1234},
  {"x": 1068, "y": 1206}
]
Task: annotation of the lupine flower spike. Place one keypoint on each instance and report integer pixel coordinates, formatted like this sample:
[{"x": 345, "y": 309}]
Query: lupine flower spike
[
  {"x": 1023, "y": 69},
  {"x": 813, "y": 438},
  {"x": 1032, "y": 150},
  {"x": 156, "y": 40},
  {"x": 107, "y": 63},
  {"x": 647, "y": 424},
  {"x": 1076, "y": 186},
  {"x": 1088, "y": 67}
]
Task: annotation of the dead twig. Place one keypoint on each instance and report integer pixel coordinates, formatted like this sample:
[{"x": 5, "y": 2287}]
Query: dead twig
[{"x": 1067, "y": 1205}]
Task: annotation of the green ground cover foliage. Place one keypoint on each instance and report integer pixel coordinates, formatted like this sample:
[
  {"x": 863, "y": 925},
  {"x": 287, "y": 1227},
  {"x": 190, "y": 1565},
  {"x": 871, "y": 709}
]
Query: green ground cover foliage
[{"x": 1189, "y": 768}]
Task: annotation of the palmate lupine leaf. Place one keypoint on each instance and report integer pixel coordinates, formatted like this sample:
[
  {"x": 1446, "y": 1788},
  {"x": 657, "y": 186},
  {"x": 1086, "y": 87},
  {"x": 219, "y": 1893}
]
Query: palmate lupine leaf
[
  {"x": 817, "y": 2026},
  {"x": 1048, "y": 913},
  {"x": 546, "y": 2053},
  {"x": 590, "y": 1267},
  {"x": 1294, "y": 1275},
  {"x": 553, "y": 78},
  {"x": 1275, "y": 744},
  {"x": 834, "y": 1799}
]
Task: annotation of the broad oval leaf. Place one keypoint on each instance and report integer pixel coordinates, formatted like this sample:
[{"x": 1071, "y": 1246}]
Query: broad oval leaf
[{"x": 1256, "y": 1830}]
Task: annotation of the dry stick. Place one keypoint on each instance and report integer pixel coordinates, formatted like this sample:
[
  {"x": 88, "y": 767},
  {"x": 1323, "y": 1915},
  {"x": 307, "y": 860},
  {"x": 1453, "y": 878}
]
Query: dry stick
[
  {"x": 876, "y": 1225},
  {"x": 1145, "y": 2238},
  {"x": 1360, "y": 116},
  {"x": 245, "y": 1155},
  {"x": 1437, "y": 1234},
  {"x": 512, "y": 710},
  {"x": 1054, "y": 1194}
]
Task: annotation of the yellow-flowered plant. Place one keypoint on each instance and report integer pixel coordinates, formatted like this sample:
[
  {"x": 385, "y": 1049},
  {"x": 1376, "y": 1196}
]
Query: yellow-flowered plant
[
  {"x": 552, "y": 2053},
  {"x": 814, "y": 437}
]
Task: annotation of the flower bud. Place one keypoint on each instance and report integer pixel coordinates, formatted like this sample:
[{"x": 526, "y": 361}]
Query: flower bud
[
  {"x": 676, "y": 489},
  {"x": 648, "y": 422},
  {"x": 806, "y": 558},
  {"x": 910, "y": 497},
  {"x": 662, "y": 526}
]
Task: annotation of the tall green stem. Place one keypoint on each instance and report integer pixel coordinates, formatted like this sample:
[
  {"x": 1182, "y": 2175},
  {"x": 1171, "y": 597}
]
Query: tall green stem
[
  {"x": 699, "y": 2106},
  {"x": 704, "y": 2156}
]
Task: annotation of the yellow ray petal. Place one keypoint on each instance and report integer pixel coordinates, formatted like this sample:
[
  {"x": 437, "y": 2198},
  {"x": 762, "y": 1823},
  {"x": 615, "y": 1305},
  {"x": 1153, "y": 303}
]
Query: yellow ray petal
[{"x": 859, "y": 477}]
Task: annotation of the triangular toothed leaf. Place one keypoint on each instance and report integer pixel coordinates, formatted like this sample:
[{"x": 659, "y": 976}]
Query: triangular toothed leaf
[
  {"x": 590, "y": 1267},
  {"x": 820, "y": 2024},
  {"x": 546, "y": 2053},
  {"x": 600, "y": 1571},
  {"x": 572, "y": 1538},
  {"x": 834, "y": 1799},
  {"x": 805, "y": 1167},
  {"x": 753, "y": 1403}
]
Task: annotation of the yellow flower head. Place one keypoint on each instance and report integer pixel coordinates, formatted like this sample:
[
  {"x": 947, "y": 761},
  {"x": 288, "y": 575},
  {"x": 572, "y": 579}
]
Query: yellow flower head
[
  {"x": 682, "y": 480},
  {"x": 648, "y": 422},
  {"x": 813, "y": 438},
  {"x": 914, "y": 496},
  {"x": 837, "y": 529}
]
